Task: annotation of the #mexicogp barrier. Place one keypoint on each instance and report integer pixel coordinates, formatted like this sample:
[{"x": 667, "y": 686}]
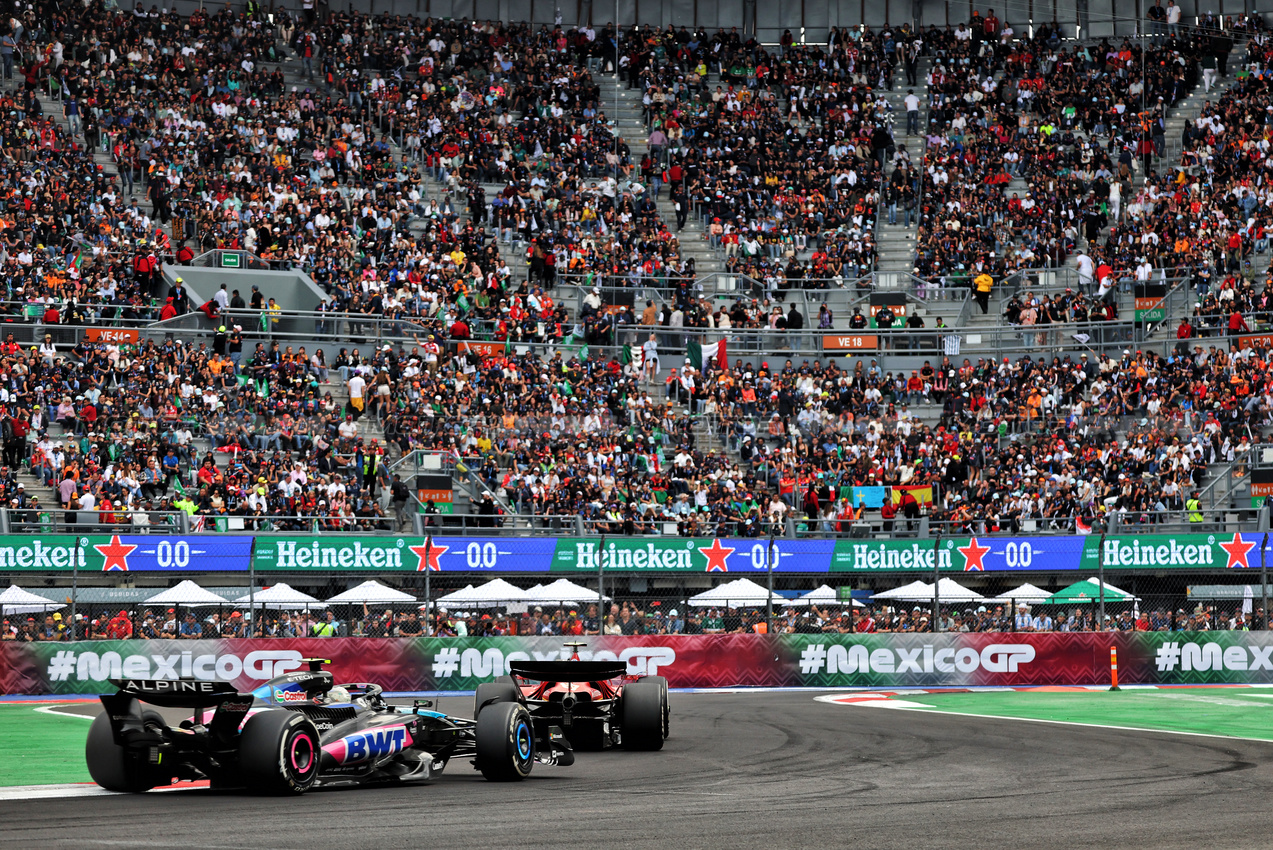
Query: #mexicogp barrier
[
  {"x": 460, "y": 664},
  {"x": 227, "y": 553}
]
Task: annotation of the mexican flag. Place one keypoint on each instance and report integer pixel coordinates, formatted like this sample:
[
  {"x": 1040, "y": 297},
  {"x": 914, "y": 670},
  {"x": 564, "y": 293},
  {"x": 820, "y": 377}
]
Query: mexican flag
[
  {"x": 701, "y": 355},
  {"x": 631, "y": 354}
]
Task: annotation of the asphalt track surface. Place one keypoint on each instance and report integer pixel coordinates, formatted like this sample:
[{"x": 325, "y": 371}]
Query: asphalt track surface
[{"x": 747, "y": 770}]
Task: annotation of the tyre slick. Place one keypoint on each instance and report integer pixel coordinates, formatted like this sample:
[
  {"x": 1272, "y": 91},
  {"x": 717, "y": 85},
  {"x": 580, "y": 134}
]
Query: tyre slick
[
  {"x": 644, "y": 711},
  {"x": 113, "y": 767},
  {"x": 279, "y": 753},
  {"x": 505, "y": 742}
]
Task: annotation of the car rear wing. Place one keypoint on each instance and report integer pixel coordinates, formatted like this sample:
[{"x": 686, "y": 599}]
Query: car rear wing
[
  {"x": 128, "y": 723},
  {"x": 568, "y": 671},
  {"x": 178, "y": 693}
]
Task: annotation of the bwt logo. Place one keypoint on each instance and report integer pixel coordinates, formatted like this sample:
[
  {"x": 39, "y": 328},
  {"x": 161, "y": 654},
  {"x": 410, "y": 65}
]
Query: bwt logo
[
  {"x": 373, "y": 744},
  {"x": 475, "y": 663},
  {"x": 89, "y": 666},
  {"x": 994, "y": 658}
]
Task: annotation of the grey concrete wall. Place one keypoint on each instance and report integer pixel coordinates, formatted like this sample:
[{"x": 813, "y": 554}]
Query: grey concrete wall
[{"x": 293, "y": 290}]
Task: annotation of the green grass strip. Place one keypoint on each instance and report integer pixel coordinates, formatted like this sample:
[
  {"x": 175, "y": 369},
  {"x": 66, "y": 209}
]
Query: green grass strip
[
  {"x": 37, "y": 748},
  {"x": 1236, "y": 712}
]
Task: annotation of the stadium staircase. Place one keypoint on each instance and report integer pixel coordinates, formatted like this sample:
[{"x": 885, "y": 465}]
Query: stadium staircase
[{"x": 895, "y": 244}]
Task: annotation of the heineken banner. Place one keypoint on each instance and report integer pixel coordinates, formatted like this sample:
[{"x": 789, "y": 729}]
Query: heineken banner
[
  {"x": 967, "y": 554},
  {"x": 401, "y": 554},
  {"x": 831, "y": 660},
  {"x": 1171, "y": 551},
  {"x": 1047, "y": 554},
  {"x": 196, "y": 553},
  {"x": 692, "y": 555},
  {"x": 668, "y": 555}
]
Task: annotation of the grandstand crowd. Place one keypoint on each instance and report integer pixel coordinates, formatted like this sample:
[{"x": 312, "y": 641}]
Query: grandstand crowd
[{"x": 373, "y": 173}]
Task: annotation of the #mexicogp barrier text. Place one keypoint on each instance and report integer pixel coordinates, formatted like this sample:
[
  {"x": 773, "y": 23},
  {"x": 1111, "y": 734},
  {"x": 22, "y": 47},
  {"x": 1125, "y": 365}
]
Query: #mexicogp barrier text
[
  {"x": 227, "y": 553},
  {"x": 460, "y": 664}
]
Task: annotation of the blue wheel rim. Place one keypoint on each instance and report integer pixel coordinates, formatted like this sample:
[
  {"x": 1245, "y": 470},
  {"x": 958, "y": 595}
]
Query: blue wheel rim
[{"x": 523, "y": 739}]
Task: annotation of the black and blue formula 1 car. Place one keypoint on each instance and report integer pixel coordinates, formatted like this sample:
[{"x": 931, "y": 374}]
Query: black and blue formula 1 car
[{"x": 300, "y": 731}]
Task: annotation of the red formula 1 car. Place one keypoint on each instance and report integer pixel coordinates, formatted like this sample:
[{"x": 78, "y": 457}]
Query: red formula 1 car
[{"x": 593, "y": 703}]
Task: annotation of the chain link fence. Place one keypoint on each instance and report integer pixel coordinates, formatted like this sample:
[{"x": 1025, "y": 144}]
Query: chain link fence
[{"x": 1127, "y": 600}]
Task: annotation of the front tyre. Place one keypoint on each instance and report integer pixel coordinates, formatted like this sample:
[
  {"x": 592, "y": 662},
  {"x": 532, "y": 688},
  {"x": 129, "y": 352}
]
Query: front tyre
[
  {"x": 505, "y": 742},
  {"x": 279, "y": 753},
  {"x": 643, "y": 710},
  {"x": 112, "y": 766}
]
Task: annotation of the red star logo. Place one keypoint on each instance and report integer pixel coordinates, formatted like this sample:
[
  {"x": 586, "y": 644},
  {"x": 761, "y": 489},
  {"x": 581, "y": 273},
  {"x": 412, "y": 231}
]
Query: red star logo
[
  {"x": 973, "y": 555},
  {"x": 116, "y": 554},
  {"x": 1237, "y": 550},
  {"x": 435, "y": 551},
  {"x": 716, "y": 555}
]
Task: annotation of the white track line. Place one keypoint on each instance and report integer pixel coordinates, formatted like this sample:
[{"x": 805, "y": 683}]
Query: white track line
[
  {"x": 74, "y": 790},
  {"x": 48, "y": 792},
  {"x": 53, "y": 709}
]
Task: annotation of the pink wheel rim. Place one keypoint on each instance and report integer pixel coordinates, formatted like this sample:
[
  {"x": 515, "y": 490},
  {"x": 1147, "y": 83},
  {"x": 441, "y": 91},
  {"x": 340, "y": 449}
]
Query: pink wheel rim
[{"x": 302, "y": 754}]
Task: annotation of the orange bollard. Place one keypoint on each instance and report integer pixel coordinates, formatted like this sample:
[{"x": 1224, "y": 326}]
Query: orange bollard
[{"x": 1113, "y": 669}]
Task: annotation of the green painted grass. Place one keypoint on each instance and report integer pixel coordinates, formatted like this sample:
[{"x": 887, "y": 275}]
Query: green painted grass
[
  {"x": 1236, "y": 712},
  {"x": 41, "y": 749}
]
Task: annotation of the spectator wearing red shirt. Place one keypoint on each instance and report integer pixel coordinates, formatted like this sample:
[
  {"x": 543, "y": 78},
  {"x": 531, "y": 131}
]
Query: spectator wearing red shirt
[
  {"x": 1237, "y": 324},
  {"x": 120, "y": 627}
]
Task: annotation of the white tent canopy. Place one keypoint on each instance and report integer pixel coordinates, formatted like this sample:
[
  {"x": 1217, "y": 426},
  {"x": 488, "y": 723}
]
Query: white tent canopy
[
  {"x": 186, "y": 593},
  {"x": 493, "y": 594},
  {"x": 1025, "y": 593},
  {"x": 369, "y": 592},
  {"x": 561, "y": 590},
  {"x": 15, "y": 600},
  {"x": 907, "y": 592},
  {"x": 824, "y": 595},
  {"x": 739, "y": 593},
  {"x": 948, "y": 590},
  {"x": 281, "y": 596}
]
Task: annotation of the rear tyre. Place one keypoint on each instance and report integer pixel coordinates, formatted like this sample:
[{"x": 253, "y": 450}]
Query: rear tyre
[
  {"x": 501, "y": 691},
  {"x": 505, "y": 742},
  {"x": 279, "y": 753},
  {"x": 643, "y": 710},
  {"x": 109, "y": 764},
  {"x": 667, "y": 713}
]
